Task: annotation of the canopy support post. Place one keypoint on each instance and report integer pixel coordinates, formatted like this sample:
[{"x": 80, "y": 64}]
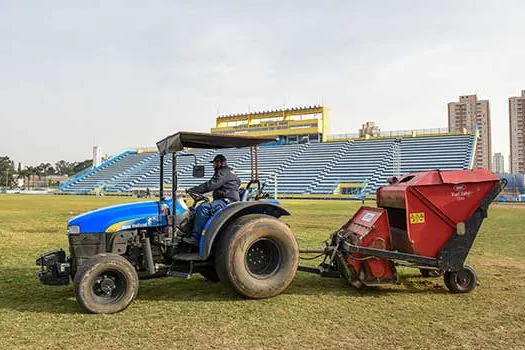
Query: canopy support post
[
  {"x": 174, "y": 187},
  {"x": 161, "y": 194},
  {"x": 254, "y": 163}
]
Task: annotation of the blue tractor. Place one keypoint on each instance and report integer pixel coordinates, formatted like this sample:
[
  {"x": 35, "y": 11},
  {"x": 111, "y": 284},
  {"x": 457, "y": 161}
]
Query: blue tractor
[{"x": 244, "y": 245}]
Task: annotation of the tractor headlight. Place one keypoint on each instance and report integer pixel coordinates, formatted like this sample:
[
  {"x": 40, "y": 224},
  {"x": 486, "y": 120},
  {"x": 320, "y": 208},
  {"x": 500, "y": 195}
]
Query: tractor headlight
[{"x": 73, "y": 229}]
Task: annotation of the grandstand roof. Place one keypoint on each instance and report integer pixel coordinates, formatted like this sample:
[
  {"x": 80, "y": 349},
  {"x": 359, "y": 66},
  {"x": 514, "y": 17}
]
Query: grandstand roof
[
  {"x": 181, "y": 140},
  {"x": 272, "y": 111}
]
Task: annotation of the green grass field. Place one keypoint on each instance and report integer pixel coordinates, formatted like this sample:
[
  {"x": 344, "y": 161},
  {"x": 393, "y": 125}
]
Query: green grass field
[{"x": 313, "y": 313}]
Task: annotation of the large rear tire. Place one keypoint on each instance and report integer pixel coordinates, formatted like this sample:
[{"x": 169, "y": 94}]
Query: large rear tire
[
  {"x": 257, "y": 256},
  {"x": 107, "y": 284}
]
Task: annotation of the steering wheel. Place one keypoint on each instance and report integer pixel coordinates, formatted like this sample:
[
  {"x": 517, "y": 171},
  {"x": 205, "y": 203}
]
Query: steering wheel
[
  {"x": 258, "y": 192},
  {"x": 197, "y": 198}
]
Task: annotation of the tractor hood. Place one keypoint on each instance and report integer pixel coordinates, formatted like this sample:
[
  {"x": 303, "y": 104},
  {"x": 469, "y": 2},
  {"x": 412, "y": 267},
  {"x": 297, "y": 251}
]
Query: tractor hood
[{"x": 122, "y": 217}]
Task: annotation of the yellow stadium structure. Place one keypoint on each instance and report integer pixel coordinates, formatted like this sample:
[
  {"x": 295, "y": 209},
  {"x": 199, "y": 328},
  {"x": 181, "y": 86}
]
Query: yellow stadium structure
[{"x": 292, "y": 125}]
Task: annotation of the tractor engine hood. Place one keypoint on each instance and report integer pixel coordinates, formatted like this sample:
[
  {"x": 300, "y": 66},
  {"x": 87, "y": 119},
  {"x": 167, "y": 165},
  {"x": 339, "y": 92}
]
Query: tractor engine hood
[{"x": 123, "y": 217}]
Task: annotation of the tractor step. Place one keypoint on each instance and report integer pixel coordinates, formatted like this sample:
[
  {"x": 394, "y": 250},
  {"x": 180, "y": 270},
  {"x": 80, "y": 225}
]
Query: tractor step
[
  {"x": 180, "y": 268},
  {"x": 180, "y": 274}
]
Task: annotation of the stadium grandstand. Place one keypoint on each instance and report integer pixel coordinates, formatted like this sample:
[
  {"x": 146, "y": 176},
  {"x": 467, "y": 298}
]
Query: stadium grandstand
[
  {"x": 305, "y": 162},
  {"x": 292, "y": 125},
  {"x": 515, "y": 189}
]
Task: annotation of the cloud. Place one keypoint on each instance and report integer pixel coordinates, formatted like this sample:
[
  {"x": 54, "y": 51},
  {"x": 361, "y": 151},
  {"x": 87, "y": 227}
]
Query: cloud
[{"x": 126, "y": 74}]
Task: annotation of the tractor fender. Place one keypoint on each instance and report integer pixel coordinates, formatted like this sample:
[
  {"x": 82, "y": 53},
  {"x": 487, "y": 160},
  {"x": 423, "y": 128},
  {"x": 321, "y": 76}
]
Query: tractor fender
[{"x": 232, "y": 212}]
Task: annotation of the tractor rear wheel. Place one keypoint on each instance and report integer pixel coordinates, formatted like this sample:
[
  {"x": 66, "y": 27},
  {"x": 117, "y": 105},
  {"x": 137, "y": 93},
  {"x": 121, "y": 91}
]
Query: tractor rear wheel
[
  {"x": 107, "y": 284},
  {"x": 462, "y": 281},
  {"x": 257, "y": 256}
]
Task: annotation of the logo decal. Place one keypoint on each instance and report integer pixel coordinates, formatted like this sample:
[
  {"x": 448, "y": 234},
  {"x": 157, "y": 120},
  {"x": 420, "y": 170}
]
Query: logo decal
[
  {"x": 368, "y": 217},
  {"x": 417, "y": 218},
  {"x": 459, "y": 192},
  {"x": 459, "y": 188}
]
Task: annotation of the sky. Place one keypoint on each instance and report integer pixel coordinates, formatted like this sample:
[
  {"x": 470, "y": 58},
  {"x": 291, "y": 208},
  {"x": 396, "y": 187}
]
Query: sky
[{"x": 124, "y": 74}]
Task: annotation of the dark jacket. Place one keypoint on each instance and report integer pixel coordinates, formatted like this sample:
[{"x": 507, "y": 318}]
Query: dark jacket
[{"x": 224, "y": 184}]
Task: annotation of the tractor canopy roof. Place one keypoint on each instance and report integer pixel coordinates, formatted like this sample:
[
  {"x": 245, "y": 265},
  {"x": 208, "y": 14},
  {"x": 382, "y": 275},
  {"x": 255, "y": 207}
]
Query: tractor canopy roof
[{"x": 181, "y": 140}]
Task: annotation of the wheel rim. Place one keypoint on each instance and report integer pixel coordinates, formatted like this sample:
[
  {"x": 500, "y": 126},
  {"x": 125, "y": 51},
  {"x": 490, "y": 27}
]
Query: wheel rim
[
  {"x": 462, "y": 279},
  {"x": 263, "y": 258},
  {"x": 109, "y": 287}
]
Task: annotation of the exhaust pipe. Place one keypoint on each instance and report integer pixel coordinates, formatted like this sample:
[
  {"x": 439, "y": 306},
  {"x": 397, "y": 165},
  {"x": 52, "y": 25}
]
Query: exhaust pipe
[{"x": 146, "y": 245}]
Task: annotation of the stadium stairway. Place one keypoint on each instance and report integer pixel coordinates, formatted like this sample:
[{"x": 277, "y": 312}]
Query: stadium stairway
[
  {"x": 280, "y": 168},
  {"x": 307, "y": 166},
  {"x": 101, "y": 178},
  {"x": 125, "y": 181},
  {"x": 150, "y": 177},
  {"x": 272, "y": 161},
  {"x": 112, "y": 184},
  {"x": 343, "y": 153},
  {"x": 422, "y": 154},
  {"x": 385, "y": 169},
  {"x": 87, "y": 181},
  {"x": 141, "y": 173},
  {"x": 356, "y": 167},
  {"x": 439, "y": 152},
  {"x": 234, "y": 156}
]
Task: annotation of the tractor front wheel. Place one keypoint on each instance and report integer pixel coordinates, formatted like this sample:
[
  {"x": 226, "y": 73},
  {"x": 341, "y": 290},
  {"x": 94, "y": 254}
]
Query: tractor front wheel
[
  {"x": 257, "y": 256},
  {"x": 107, "y": 284},
  {"x": 462, "y": 281}
]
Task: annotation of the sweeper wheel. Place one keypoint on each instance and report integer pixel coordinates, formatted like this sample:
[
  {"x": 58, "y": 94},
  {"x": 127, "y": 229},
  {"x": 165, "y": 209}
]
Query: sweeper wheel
[{"x": 462, "y": 281}]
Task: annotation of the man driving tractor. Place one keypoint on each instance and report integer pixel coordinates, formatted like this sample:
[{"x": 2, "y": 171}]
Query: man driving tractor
[{"x": 225, "y": 185}]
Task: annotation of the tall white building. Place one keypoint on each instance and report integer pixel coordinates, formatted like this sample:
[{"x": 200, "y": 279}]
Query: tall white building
[
  {"x": 471, "y": 114},
  {"x": 498, "y": 163},
  {"x": 97, "y": 156},
  {"x": 517, "y": 133}
]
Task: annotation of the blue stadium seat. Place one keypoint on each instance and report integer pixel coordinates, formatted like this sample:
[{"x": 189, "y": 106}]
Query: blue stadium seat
[{"x": 316, "y": 168}]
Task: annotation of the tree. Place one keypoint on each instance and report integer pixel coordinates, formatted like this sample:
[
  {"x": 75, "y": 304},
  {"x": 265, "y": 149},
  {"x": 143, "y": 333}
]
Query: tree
[
  {"x": 30, "y": 171},
  {"x": 6, "y": 172},
  {"x": 23, "y": 174},
  {"x": 49, "y": 169},
  {"x": 45, "y": 169},
  {"x": 33, "y": 171},
  {"x": 82, "y": 166},
  {"x": 63, "y": 167}
]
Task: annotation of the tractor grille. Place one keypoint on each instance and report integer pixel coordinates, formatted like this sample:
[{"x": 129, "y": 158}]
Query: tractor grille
[{"x": 85, "y": 245}]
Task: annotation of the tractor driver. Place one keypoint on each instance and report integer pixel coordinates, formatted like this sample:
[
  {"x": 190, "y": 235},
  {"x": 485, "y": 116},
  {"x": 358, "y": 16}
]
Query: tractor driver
[{"x": 225, "y": 187}]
